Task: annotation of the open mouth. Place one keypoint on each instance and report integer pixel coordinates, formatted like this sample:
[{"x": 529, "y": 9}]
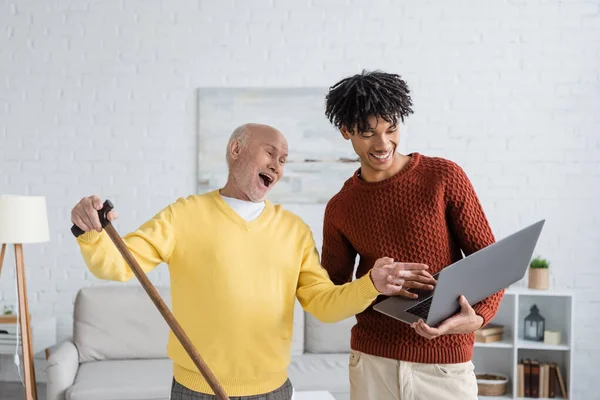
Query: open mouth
[
  {"x": 382, "y": 157},
  {"x": 266, "y": 179}
]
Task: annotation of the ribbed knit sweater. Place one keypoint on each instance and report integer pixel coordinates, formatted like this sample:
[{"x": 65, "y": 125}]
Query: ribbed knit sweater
[{"x": 427, "y": 213}]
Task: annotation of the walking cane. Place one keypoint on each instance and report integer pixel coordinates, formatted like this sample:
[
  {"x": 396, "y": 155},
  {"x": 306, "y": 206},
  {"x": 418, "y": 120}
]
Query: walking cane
[{"x": 160, "y": 304}]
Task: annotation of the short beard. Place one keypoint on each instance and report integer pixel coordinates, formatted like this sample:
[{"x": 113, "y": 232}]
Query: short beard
[{"x": 241, "y": 179}]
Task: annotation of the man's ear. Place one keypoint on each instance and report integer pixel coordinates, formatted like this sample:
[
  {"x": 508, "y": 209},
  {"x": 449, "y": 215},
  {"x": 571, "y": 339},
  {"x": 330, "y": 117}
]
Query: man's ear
[
  {"x": 345, "y": 133},
  {"x": 235, "y": 148}
]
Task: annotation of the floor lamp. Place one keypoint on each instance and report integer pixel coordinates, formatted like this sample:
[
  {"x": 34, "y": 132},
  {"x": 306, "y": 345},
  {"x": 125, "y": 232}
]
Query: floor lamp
[{"x": 23, "y": 219}]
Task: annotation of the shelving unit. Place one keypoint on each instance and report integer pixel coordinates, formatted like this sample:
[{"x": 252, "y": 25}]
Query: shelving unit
[
  {"x": 43, "y": 334},
  {"x": 502, "y": 357}
]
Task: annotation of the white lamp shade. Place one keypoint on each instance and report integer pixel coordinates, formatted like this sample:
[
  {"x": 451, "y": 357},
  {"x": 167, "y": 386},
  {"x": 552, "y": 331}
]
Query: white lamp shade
[{"x": 23, "y": 219}]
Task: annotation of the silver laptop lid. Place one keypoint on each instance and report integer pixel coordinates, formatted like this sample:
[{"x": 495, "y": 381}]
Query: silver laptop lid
[{"x": 484, "y": 272}]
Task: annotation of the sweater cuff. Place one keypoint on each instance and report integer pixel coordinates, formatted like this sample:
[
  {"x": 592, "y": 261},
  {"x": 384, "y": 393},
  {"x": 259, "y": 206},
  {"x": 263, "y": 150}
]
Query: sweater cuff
[
  {"x": 90, "y": 237},
  {"x": 367, "y": 288},
  {"x": 484, "y": 312}
]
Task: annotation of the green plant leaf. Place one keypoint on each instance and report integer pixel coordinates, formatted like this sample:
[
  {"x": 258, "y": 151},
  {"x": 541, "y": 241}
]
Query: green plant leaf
[{"x": 539, "y": 263}]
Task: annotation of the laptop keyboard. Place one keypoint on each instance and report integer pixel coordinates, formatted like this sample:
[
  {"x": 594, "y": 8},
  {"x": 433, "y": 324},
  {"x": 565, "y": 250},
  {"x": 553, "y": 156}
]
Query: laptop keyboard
[{"x": 421, "y": 309}]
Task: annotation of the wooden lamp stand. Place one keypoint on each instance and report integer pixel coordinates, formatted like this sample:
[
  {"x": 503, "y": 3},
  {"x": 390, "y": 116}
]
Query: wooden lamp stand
[
  {"x": 24, "y": 322},
  {"x": 23, "y": 219}
]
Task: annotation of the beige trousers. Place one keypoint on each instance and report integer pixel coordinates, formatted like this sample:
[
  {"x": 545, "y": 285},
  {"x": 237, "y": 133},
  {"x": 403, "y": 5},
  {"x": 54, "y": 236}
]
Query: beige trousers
[{"x": 377, "y": 378}]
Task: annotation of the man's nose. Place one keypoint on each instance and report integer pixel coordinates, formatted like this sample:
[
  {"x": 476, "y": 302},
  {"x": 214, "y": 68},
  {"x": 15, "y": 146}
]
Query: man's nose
[
  {"x": 275, "y": 167},
  {"x": 381, "y": 143}
]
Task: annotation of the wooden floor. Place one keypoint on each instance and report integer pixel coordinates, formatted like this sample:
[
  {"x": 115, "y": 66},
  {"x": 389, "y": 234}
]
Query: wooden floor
[{"x": 16, "y": 391}]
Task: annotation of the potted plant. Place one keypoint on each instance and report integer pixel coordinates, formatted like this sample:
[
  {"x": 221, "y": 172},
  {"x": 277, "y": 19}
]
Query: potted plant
[{"x": 539, "y": 276}]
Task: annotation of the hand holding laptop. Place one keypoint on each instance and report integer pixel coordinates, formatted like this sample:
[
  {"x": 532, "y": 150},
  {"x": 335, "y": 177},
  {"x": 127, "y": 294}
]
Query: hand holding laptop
[
  {"x": 466, "y": 321},
  {"x": 481, "y": 274}
]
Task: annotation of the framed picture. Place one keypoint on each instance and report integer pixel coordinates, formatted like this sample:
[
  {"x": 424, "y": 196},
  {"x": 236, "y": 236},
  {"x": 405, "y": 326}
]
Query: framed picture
[{"x": 319, "y": 160}]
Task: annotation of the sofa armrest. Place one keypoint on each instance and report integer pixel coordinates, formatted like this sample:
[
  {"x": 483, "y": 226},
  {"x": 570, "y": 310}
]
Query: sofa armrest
[{"x": 61, "y": 369}]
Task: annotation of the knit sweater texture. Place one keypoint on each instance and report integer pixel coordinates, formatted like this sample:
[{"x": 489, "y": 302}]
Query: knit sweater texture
[{"x": 427, "y": 213}]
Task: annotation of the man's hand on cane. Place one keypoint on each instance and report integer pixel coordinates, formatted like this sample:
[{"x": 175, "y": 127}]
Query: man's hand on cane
[{"x": 85, "y": 214}]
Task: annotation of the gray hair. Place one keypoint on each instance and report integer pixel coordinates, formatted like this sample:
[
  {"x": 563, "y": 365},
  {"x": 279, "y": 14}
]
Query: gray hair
[{"x": 241, "y": 134}]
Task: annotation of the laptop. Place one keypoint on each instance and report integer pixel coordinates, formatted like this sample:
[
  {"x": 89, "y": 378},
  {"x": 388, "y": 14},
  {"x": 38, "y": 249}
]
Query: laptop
[{"x": 477, "y": 277}]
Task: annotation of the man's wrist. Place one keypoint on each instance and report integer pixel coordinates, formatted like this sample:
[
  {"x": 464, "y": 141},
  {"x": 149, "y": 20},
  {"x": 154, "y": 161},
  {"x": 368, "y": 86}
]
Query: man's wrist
[
  {"x": 372, "y": 281},
  {"x": 367, "y": 286}
]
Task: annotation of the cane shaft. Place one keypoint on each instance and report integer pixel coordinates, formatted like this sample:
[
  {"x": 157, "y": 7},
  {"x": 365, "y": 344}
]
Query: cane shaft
[{"x": 166, "y": 313}]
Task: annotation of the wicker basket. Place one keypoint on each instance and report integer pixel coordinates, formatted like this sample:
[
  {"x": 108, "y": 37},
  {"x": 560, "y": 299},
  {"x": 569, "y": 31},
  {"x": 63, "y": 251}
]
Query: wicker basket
[{"x": 492, "y": 384}]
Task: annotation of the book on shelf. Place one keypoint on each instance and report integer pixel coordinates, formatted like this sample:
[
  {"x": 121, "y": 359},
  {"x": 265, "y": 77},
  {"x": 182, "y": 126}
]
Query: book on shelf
[
  {"x": 520, "y": 380},
  {"x": 527, "y": 377},
  {"x": 561, "y": 383},
  {"x": 490, "y": 329},
  {"x": 543, "y": 388},
  {"x": 534, "y": 380},
  {"x": 490, "y": 333},
  {"x": 552, "y": 381},
  {"x": 489, "y": 339},
  {"x": 537, "y": 379}
]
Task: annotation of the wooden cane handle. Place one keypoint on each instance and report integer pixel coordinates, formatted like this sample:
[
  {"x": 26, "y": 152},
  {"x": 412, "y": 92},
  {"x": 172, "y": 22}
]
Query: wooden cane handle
[{"x": 102, "y": 216}]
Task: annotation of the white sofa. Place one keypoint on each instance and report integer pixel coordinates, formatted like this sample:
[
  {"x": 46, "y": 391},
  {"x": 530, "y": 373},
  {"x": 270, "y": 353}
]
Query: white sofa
[{"x": 118, "y": 350}]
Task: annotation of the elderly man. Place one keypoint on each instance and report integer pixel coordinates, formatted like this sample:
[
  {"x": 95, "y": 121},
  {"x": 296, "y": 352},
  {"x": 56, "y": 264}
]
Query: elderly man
[{"x": 237, "y": 262}]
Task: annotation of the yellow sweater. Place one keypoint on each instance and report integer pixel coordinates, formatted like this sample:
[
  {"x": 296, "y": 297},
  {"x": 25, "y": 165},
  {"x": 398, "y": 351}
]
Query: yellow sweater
[{"x": 233, "y": 286}]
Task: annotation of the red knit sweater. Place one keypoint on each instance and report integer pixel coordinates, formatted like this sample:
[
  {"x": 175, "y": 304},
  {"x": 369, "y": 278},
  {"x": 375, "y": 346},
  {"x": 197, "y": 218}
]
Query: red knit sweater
[{"x": 427, "y": 213}]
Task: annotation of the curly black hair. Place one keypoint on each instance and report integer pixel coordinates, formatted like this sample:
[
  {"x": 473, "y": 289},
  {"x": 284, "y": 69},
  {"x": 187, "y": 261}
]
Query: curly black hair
[{"x": 352, "y": 100}]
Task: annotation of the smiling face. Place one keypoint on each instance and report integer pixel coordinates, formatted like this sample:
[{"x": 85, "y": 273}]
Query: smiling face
[
  {"x": 376, "y": 148},
  {"x": 256, "y": 165}
]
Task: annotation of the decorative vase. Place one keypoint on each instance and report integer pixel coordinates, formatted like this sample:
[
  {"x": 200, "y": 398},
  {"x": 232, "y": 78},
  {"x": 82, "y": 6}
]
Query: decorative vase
[{"x": 539, "y": 278}]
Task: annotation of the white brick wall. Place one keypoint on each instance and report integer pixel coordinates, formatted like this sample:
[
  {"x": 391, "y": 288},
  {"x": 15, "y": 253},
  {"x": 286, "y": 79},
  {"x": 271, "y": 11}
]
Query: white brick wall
[{"x": 100, "y": 96}]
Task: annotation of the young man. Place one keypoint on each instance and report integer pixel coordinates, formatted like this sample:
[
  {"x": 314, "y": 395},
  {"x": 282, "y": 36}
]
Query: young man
[
  {"x": 412, "y": 208},
  {"x": 237, "y": 263}
]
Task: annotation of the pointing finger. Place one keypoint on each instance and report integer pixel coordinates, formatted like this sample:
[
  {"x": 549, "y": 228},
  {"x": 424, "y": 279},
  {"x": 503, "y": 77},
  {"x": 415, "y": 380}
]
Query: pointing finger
[{"x": 412, "y": 266}]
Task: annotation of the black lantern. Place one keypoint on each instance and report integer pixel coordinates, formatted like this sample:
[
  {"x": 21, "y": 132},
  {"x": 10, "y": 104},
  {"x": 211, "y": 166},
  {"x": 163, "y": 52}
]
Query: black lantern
[{"x": 534, "y": 325}]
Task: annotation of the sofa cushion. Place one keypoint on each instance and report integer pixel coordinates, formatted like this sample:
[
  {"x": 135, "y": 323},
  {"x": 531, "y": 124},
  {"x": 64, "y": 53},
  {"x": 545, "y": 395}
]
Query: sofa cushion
[
  {"x": 123, "y": 380},
  {"x": 323, "y": 337},
  {"x": 119, "y": 322},
  {"x": 320, "y": 372}
]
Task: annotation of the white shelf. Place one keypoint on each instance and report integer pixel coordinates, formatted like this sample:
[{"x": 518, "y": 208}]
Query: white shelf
[
  {"x": 502, "y": 357},
  {"x": 505, "y": 343},
  {"x": 538, "y": 398},
  {"x": 43, "y": 336},
  {"x": 528, "y": 344}
]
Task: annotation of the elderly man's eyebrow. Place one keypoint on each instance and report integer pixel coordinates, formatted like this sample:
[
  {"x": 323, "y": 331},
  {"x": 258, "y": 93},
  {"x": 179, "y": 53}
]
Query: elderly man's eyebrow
[{"x": 274, "y": 148}]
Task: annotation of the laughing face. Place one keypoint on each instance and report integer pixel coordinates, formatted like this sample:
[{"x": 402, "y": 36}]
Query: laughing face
[
  {"x": 258, "y": 165},
  {"x": 376, "y": 148}
]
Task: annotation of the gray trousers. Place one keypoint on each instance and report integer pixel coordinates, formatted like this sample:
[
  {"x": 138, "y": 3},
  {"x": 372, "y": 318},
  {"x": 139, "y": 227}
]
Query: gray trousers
[{"x": 180, "y": 392}]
